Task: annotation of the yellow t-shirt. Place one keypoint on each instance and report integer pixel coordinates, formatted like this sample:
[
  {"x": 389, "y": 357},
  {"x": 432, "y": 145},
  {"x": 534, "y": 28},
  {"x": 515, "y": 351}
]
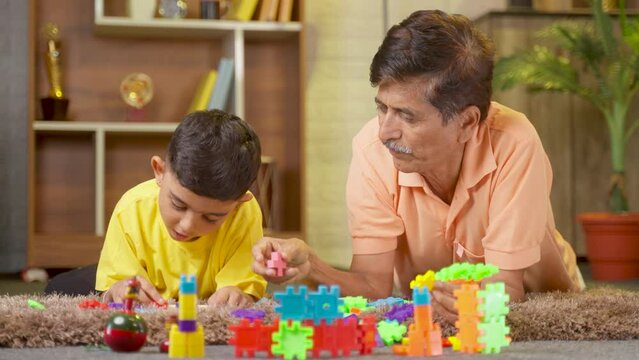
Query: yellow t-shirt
[{"x": 138, "y": 243}]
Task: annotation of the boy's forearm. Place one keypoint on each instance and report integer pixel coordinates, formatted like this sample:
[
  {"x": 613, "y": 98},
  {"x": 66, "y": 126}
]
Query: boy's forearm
[{"x": 350, "y": 283}]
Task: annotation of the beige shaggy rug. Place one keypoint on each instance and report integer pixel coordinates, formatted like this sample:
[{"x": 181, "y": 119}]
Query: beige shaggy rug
[{"x": 596, "y": 314}]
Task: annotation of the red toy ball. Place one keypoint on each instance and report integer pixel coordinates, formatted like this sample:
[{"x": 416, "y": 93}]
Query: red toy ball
[
  {"x": 125, "y": 332},
  {"x": 164, "y": 346}
]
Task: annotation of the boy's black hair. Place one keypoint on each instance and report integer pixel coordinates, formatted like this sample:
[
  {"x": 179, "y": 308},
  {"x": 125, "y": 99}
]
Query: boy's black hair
[{"x": 215, "y": 154}]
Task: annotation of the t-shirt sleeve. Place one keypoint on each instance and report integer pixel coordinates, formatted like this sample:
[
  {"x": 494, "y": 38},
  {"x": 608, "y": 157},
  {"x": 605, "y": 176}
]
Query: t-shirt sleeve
[
  {"x": 118, "y": 258},
  {"x": 372, "y": 217},
  {"x": 518, "y": 209},
  {"x": 245, "y": 231}
]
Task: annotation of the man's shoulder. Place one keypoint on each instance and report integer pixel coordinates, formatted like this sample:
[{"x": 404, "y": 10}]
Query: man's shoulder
[{"x": 508, "y": 126}]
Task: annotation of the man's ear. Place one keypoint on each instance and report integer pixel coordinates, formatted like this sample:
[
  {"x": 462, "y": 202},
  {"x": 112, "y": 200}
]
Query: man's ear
[
  {"x": 246, "y": 197},
  {"x": 159, "y": 167},
  {"x": 468, "y": 121}
]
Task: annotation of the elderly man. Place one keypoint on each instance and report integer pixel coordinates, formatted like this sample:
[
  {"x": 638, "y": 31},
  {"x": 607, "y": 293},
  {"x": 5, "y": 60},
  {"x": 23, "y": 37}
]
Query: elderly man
[{"x": 441, "y": 175}]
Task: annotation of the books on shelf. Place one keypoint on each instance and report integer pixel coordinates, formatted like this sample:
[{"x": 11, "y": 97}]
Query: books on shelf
[
  {"x": 223, "y": 84},
  {"x": 286, "y": 10},
  {"x": 268, "y": 11},
  {"x": 243, "y": 10},
  {"x": 203, "y": 93}
]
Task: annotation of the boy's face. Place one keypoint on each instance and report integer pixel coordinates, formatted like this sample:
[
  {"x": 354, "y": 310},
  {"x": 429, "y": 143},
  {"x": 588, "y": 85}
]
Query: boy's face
[{"x": 186, "y": 215}]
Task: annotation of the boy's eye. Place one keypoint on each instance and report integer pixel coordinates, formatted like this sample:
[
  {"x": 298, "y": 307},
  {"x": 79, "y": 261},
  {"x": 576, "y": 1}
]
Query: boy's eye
[
  {"x": 211, "y": 221},
  {"x": 178, "y": 207}
]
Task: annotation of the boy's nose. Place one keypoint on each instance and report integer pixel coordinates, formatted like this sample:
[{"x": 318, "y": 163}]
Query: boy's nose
[{"x": 187, "y": 222}]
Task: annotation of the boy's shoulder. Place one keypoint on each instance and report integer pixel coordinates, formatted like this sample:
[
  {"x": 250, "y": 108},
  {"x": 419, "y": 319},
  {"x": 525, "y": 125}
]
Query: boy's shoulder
[{"x": 143, "y": 194}]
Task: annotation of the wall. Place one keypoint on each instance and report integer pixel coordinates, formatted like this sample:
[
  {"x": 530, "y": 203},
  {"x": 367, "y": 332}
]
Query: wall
[
  {"x": 341, "y": 39},
  {"x": 14, "y": 95}
]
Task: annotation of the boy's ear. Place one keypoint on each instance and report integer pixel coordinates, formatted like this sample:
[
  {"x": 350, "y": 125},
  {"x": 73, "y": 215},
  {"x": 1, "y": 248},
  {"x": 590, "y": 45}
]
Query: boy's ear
[
  {"x": 246, "y": 197},
  {"x": 159, "y": 167}
]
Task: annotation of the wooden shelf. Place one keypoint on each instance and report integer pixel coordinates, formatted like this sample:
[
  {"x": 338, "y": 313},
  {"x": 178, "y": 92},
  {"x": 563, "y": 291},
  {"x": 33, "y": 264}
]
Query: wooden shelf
[
  {"x": 115, "y": 127},
  {"x": 192, "y": 28},
  {"x": 65, "y": 250}
]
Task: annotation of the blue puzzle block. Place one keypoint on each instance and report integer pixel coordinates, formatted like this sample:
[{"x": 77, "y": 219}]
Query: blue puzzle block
[
  {"x": 325, "y": 305},
  {"x": 188, "y": 285},
  {"x": 421, "y": 296},
  {"x": 293, "y": 305}
]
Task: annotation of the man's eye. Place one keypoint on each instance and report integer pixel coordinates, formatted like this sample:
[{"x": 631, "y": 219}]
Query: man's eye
[
  {"x": 211, "y": 221},
  {"x": 381, "y": 108},
  {"x": 406, "y": 117}
]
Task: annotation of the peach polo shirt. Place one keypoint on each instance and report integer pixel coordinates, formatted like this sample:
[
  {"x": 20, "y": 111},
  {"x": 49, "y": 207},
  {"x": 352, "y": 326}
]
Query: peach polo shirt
[{"x": 500, "y": 213}]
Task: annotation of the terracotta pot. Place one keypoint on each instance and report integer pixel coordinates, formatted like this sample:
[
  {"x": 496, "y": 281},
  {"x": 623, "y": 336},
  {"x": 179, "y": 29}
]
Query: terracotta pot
[{"x": 612, "y": 243}]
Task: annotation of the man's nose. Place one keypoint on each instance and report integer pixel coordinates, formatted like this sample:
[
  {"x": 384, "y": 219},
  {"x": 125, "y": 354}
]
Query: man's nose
[{"x": 388, "y": 127}]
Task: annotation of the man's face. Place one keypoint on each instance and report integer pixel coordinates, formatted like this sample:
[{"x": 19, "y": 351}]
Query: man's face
[
  {"x": 186, "y": 215},
  {"x": 412, "y": 128}
]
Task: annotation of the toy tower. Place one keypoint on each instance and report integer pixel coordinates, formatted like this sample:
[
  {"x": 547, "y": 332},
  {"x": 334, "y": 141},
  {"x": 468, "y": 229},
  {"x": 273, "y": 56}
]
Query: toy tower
[{"x": 186, "y": 339}]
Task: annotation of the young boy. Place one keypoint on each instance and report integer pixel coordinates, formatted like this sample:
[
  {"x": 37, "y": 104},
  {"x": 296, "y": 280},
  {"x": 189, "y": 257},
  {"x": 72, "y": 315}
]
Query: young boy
[{"x": 196, "y": 217}]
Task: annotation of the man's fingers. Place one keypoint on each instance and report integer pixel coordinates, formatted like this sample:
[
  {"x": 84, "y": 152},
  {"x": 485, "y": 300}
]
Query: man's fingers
[
  {"x": 445, "y": 313},
  {"x": 260, "y": 269}
]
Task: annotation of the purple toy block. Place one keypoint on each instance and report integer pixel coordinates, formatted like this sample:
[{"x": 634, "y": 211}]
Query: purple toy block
[{"x": 187, "y": 325}]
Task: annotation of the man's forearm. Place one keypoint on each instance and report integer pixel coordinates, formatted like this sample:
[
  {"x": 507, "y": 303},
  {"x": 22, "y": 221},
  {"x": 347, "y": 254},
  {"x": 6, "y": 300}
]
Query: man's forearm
[{"x": 350, "y": 283}]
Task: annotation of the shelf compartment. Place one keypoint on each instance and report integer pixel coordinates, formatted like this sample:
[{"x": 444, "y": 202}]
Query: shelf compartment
[{"x": 61, "y": 250}]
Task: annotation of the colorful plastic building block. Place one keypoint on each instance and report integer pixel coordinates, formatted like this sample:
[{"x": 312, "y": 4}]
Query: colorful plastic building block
[
  {"x": 391, "y": 332},
  {"x": 251, "y": 337},
  {"x": 425, "y": 280},
  {"x": 35, "y": 304},
  {"x": 494, "y": 335},
  {"x": 324, "y": 305},
  {"x": 92, "y": 304},
  {"x": 251, "y": 314},
  {"x": 276, "y": 262},
  {"x": 466, "y": 272},
  {"x": 292, "y": 340},
  {"x": 390, "y": 301},
  {"x": 354, "y": 302},
  {"x": 493, "y": 301},
  {"x": 186, "y": 339},
  {"x": 293, "y": 305},
  {"x": 400, "y": 312},
  {"x": 367, "y": 331}
]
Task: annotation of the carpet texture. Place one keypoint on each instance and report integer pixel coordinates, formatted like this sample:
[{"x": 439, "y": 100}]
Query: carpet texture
[{"x": 596, "y": 314}]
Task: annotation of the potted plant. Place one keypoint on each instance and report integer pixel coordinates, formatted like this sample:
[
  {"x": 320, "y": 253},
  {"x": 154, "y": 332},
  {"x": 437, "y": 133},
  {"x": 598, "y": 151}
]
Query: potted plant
[{"x": 610, "y": 62}]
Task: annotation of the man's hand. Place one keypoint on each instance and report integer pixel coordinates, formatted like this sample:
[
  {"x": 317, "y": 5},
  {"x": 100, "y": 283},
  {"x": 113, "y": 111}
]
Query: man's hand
[
  {"x": 231, "y": 295},
  {"x": 443, "y": 300},
  {"x": 295, "y": 252},
  {"x": 148, "y": 293}
]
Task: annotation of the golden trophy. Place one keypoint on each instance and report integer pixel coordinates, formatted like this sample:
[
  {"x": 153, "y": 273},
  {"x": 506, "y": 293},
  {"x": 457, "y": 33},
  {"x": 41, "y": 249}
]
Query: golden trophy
[
  {"x": 136, "y": 90},
  {"x": 54, "y": 106}
]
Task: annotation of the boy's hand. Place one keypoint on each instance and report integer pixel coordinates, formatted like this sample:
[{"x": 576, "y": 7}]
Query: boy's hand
[
  {"x": 230, "y": 295},
  {"x": 295, "y": 252},
  {"x": 148, "y": 293},
  {"x": 443, "y": 300}
]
